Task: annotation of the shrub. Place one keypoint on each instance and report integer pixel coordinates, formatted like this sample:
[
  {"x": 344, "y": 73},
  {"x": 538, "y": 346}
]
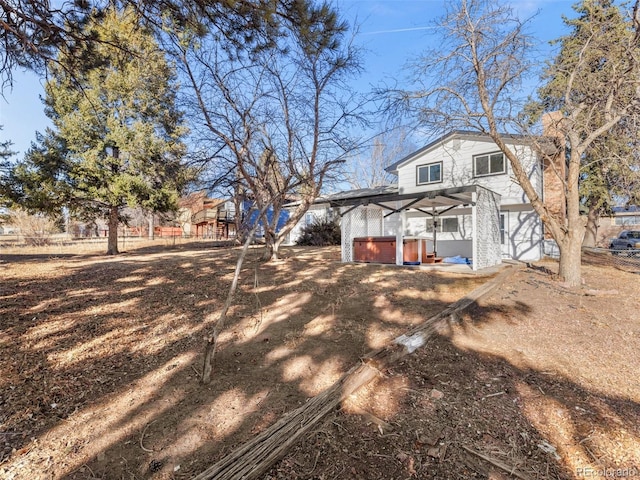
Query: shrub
[
  {"x": 34, "y": 229},
  {"x": 320, "y": 233}
]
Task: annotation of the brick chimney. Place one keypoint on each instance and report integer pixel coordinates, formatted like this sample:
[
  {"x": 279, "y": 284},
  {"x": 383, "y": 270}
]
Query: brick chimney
[{"x": 554, "y": 166}]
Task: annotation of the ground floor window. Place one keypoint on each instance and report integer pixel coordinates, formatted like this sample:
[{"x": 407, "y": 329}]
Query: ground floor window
[
  {"x": 450, "y": 224},
  {"x": 445, "y": 225},
  {"x": 309, "y": 218}
]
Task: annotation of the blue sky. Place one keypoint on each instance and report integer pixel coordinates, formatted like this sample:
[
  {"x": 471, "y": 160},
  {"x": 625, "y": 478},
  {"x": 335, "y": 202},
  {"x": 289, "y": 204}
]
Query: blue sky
[{"x": 391, "y": 32}]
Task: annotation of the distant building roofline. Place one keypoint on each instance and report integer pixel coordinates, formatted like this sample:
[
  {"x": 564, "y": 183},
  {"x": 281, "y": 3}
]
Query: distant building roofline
[{"x": 626, "y": 209}]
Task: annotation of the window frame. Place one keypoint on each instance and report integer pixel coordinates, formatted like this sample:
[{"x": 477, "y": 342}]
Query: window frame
[
  {"x": 489, "y": 155},
  {"x": 430, "y": 220},
  {"x": 428, "y": 165},
  {"x": 449, "y": 219},
  {"x": 309, "y": 218}
]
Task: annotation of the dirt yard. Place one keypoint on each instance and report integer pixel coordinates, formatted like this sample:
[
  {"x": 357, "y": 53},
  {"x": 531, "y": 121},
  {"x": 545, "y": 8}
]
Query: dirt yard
[{"x": 100, "y": 360}]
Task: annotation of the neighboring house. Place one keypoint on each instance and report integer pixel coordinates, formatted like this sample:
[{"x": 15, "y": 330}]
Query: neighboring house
[
  {"x": 215, "y": 218},
  {"x": 454, "y": 197},
  {"x": 250, "y": 217},
  {"x": 202, "y": 217},
  {"x": 316, "y": 212},
  {"x": 624, "y": 218},
  {"x": 212, "y": 218},
  {"x": 621, "y": 218}
]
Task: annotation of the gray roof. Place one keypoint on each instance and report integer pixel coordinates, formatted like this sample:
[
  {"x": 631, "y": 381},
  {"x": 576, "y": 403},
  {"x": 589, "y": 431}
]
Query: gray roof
[
  {"x": 627, "y": 209},
  {"x": 389, "y": 198},
  {"x": 358, "y": 193}
]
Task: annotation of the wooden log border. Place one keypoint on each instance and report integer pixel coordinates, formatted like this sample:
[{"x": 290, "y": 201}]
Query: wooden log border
[{"x": 255, "y": 457}]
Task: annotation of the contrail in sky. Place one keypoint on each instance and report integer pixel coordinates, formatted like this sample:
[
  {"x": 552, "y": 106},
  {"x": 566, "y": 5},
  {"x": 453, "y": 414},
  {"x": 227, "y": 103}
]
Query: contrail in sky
[{"x": 397, "y": 30}]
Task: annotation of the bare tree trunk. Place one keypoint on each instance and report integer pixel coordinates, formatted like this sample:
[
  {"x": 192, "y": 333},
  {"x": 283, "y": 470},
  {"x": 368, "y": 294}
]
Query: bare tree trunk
[
  {"x": 570, "y": 260},
  {"x": 276, "y": 247},
  {"x": 591, "y": 233},
  {"x": 112, "y": 242},
  {"x": 239, "y": 213},
  {"x": 270, "y": 249},
  {"x": 267, "y": 255},
  {"x": 570, "y": 243},
  {"x": 212, "y": 341},
  {"x": 274, "y": 238}
]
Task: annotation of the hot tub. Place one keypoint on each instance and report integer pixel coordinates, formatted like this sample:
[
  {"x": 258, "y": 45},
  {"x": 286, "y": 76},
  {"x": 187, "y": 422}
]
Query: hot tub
[{"x": 383, "y": 250}]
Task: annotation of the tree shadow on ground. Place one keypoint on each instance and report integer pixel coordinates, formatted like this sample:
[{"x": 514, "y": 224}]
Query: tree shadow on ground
[
  {"x": 430, "y": 413},
  {"x": 101, "y": 354},
  {"x": 491, "y": 386},
  {"x": 16, "y": 258}
]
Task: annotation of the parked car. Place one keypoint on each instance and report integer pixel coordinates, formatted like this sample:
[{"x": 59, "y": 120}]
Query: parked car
[{"x": 628, "y": 240}]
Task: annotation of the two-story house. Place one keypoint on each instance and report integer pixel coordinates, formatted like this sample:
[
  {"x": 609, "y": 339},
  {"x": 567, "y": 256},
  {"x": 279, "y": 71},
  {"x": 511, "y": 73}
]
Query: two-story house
[
  {"x": 204, "y": 217},
  {"x": 455, "y": 197}
]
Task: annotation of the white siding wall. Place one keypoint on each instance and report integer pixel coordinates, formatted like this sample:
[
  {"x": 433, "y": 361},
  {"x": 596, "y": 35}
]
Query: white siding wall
[
  {"x": 456, "y": 156},
  {"x": 523, "y": 227},
  {"x": 315, "y": 212},
  {"x": 417, "y": 226},
  {"x": 449, "y": 244},
  {"x": 523, "y": 230},
  {"x": 524, "y": 235}
]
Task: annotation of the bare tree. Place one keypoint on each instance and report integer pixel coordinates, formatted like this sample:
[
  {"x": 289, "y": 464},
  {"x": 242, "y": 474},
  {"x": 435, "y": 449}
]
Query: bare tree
[
  {"x": 594, "y": 82},
  {"x": 278, "y": 118},
  {"x": 476, "y": 84},
  {"x": 368, "y": 169},
  {"x": 35, "y": 229}
]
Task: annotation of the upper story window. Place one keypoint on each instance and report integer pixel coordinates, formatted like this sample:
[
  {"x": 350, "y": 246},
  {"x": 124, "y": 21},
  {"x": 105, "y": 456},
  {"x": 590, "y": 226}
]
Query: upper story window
[
  {"x": 489, "y": 164},
  {"x": 431, "y": 173}
]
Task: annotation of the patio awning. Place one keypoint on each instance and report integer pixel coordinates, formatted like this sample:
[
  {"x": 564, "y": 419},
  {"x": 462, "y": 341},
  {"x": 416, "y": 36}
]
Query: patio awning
[
  {"x": 377, "y": 204},
  {"x": 390, "y": 199}
]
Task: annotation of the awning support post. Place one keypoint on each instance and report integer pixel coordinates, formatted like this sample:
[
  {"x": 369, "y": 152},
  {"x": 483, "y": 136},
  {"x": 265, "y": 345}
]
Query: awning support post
[{"x": 400, "y": 239}]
